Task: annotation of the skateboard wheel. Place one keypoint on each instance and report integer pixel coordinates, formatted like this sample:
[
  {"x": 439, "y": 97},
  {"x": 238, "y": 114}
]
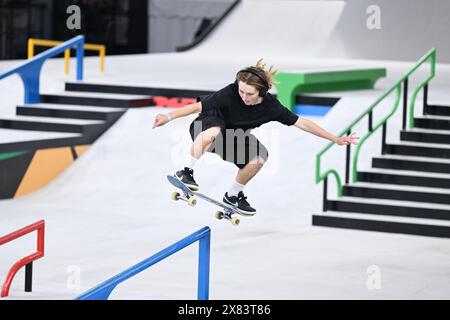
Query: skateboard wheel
[
  {"x": 235, "y": 221},
  {"x": 192, "y": 201},
  {"x": 219, "y": 215},
  {"x": 175, "y": 196}
]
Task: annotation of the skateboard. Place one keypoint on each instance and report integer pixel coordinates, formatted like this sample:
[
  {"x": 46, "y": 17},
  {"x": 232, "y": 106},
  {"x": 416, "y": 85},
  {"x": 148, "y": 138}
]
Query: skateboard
[{"x": 227, "y": 212}]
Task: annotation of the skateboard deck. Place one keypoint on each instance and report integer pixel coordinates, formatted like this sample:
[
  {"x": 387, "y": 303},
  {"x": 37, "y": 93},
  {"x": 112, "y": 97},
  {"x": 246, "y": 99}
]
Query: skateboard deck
[{"x": 189, "y": 196}]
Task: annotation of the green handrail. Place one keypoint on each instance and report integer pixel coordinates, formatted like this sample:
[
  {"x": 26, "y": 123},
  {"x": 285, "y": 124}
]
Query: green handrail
[
  {"x": 398, "y": 92},
  {"x": 430, "y": 55}
]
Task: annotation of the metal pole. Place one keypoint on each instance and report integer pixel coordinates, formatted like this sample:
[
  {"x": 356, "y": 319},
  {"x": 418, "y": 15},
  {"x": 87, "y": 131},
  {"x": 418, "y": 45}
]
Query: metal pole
[
  {"x": 347, "y": 163},
  {"x": 203, "y": 267},
  {"x": 405, "y": 102},
  {"x": 80, "y": 56},
  {"x": 425, "y": 98},
  {"x": 28, "y": 277}
]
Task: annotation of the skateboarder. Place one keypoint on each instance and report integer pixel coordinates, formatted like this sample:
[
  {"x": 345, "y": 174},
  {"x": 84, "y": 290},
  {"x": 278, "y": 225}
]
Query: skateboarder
[{"x": 224, "y": 123}]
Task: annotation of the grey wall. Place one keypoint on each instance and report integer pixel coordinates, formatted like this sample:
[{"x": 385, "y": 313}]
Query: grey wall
[
  {"x": 173, "y": 23},
  {"x": 409, "y": 28}
]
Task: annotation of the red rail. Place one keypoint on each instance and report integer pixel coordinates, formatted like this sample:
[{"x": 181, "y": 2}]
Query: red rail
[{"x": 40, "y": 228}]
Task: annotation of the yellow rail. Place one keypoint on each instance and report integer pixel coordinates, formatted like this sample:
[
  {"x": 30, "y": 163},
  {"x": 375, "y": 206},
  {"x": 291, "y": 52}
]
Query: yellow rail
[{"x": 51, "y": 43}]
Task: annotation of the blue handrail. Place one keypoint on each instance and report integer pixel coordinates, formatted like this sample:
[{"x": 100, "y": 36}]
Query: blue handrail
[
  {"x": 30, "y": 70},
  {"x": 102, "y": 291}
]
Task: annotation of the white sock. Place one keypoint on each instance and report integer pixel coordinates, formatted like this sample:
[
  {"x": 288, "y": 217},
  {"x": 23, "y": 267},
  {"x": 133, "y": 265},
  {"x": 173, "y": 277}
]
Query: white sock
[
  {"x": 235, "y": 189},
  {"x": 191, "y": 162}
]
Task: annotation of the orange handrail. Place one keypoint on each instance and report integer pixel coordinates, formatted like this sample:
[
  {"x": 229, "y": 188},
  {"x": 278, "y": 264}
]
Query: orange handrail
[{"x": 40, "y": 228}]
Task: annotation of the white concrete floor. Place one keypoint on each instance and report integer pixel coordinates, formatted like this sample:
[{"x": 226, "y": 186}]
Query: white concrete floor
[{"x": 111, "y": 209}]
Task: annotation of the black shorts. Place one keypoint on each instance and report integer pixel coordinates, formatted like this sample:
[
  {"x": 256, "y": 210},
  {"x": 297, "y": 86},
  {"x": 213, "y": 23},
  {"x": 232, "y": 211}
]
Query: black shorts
[{"x": 234, "y": 146}]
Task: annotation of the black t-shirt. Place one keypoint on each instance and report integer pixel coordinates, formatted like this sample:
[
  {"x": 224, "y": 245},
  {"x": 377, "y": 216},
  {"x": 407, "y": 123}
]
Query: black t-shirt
[{"x": 228, "y": 106}]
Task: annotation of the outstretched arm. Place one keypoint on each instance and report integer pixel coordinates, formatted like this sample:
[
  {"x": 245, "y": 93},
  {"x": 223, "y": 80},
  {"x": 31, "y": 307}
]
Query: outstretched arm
[
  {"x": 311, "y": 127},
  {"x": 162, "y": 119}
]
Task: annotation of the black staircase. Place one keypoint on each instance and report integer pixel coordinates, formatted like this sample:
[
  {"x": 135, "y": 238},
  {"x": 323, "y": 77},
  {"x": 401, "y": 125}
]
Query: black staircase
[
  {"x": 60, "y": 120},
  {"x": 407, "y": 190},
  {"x": 87, "y": 125},
  {"x": 75, "y": 117},
  {"x": 88, "y": 113}
]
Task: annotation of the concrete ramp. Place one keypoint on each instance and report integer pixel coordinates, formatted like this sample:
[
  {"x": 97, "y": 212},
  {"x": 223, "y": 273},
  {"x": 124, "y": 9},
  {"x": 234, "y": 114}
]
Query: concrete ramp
[{"x": 256, "y": 27}]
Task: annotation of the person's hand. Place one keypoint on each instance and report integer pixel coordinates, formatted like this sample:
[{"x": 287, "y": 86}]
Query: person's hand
[
  {"x": 351, "y": 139},
  {"x": 160, "y": 120}
]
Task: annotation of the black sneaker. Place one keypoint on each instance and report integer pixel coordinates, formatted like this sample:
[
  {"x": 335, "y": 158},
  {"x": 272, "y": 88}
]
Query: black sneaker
[
  {"x": 240, "y": 202},
  {"x": 187, "y": 177}
]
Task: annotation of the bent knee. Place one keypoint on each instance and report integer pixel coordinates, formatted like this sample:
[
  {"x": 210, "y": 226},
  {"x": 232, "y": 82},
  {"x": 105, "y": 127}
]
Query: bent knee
[
  {"x": 258, "y": 160},
  {"x": 211, "y": 133}
]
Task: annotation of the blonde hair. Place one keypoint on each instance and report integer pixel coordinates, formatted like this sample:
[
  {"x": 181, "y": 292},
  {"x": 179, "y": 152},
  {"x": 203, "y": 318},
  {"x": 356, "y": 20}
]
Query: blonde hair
[
  {"x": 270, "y": 73},
  {"x": 251, "y": 79}
]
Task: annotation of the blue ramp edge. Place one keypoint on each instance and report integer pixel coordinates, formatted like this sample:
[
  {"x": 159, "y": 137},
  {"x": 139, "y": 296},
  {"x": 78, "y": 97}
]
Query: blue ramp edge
[{"x": 311, "y": 110}]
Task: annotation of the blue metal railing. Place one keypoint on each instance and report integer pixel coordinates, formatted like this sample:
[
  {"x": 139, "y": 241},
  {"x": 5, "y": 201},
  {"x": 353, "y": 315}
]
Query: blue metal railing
[
  {"x": 102, "y": 291},
  {"x": 30, "y": 70}
]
